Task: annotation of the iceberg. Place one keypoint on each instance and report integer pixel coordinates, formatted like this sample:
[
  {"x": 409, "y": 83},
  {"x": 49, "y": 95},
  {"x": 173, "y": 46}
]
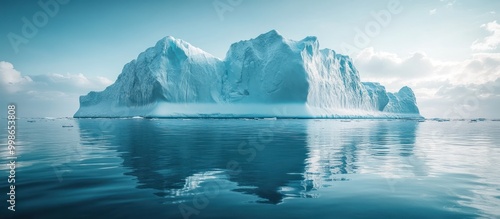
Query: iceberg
[{"x": 267, "y": 76}]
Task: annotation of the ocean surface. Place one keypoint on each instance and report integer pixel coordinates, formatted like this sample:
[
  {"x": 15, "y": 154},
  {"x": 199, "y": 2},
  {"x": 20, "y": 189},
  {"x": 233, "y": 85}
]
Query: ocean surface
[{"x": 245, "y": 168}]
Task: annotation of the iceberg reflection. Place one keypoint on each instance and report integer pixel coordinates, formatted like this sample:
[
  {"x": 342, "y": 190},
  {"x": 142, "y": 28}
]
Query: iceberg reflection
[{"x": 175, "y": 157}]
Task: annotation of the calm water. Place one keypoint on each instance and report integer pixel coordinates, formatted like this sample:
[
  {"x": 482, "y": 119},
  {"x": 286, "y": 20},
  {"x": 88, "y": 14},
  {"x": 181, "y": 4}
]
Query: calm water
[{"x": 133, "y": 168}]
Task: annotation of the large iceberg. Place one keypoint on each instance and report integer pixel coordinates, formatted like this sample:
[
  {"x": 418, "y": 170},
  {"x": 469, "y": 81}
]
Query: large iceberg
[{"x": 268, "y": 76}]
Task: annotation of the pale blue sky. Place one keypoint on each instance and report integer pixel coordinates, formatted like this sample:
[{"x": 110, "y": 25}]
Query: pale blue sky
[
  {"x": 99, "y": 37},
  {"x": 96, "y": 38}
]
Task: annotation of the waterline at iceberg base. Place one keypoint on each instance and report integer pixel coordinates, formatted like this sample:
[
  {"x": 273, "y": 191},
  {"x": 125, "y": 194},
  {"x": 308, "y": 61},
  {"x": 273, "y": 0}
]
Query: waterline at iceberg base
[
  {"x": 224, "y": 110},
  {"x": 268, "y": 76}
]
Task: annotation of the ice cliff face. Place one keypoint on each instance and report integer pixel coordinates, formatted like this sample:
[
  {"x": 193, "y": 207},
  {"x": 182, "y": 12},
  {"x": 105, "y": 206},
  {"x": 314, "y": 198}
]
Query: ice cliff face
[
  {"x": 171, "y": 71},
  {"x": 266, "y": 69},
  {"x": 259, "y": 73}
]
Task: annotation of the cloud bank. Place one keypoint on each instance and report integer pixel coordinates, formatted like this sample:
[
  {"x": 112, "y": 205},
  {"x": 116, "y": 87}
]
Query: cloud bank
[
  {"x": 456, "y": 89},
  {"x": 53, "y": 95},
  {"x": 490, "y": 42}
]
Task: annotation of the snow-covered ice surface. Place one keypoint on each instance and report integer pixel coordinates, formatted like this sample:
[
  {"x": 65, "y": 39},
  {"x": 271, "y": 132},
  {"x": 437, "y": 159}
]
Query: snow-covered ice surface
[{"x": 268, "y": 76}]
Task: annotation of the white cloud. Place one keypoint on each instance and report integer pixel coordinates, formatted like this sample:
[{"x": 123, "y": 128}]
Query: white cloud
[
  {"x": 387, "y": 66},
  {"x": 14, "y": 81},
  {"x": 437, "y": 84},
  {"x": 57, "y": 94},
  {"x": 68, "y": 83},
  {"x": 104, "y": 80},
  {"x": 449, "y": 3},
  {"x": 480, "y": 68},
  {"x": 433, "y": 11},
  {"x": 10, "y": 78},
  {"x": 490, "y": 42},
  {"x": 466, "y": 101},
  {"x": 8, "y": 74}
]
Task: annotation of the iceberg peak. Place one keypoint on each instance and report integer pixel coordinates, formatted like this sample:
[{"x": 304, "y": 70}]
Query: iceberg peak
[
  {"x": 271, "y": 34},
  {"x": 178, "y": 47},
  {"x": 269, "y": 38},
  {"x": 403, "y": 101},
  {"x": 406, "y": 90},
  {"x": 310, "y": 39}
]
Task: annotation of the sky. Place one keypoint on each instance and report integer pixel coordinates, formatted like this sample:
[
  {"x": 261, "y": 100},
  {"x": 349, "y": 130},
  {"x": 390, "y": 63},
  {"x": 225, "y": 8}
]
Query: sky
[{"x": 447, "y": 51}]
